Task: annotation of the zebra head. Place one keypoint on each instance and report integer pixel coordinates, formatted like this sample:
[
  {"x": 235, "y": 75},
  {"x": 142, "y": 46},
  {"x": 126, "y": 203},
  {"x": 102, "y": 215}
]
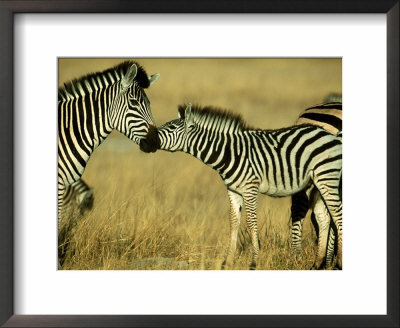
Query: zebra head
[
  {"x": 173, "y": 135},
  {"x": 132, "y": 112}
]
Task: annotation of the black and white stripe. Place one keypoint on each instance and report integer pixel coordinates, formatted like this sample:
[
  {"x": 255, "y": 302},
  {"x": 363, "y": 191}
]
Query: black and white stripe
[
  {"x": 329, "y": 117},
  {"x": 91, "y": 107},
  {"x": 273, "y": 162}
]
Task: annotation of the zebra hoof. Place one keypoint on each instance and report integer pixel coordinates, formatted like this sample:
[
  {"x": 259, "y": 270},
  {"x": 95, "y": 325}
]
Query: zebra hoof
[{"x": 317, "y": 266}]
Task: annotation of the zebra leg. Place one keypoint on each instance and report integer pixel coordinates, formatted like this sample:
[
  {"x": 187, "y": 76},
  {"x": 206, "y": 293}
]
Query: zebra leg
[
  {"x": 337, "y": 219},
  {"x": 323, "y": 220},
  {"x": 61, "y": 192},
  {"x": 61, "y": 213},
  {"x": 315, "y": 225},
  {"x": 299, "y": 210},
  {"x": 330, "y": 196},
  {"x": 336, "y": 213},
  {"x": 330, "y": 253},
  {"x": 236, "y": 204},
  {"x": 331, "y": 245},
  {"x": 250, "y": 201}
]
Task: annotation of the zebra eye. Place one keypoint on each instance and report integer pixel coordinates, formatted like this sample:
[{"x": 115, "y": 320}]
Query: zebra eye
[{"x": 133, "y": 102}]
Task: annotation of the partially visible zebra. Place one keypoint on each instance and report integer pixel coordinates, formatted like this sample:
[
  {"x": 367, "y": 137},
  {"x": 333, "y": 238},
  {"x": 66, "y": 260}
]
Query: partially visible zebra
[
  {"x": 333, "y": 97},
  {"x": 78, "y": 194},
  {"x": 273, "y": 162},
  {"x": 90, "y": 107},
  {"x": 329, "y": 117}
]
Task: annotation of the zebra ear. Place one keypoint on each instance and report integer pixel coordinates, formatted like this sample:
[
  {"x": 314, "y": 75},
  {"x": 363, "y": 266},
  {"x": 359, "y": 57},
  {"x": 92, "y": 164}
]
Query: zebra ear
[
  {"x": 189, "y": 116},
  {"x": 153, "y": 78},
  {"x": 129, "y": 76},
  {"x": 181, "y": 112}
]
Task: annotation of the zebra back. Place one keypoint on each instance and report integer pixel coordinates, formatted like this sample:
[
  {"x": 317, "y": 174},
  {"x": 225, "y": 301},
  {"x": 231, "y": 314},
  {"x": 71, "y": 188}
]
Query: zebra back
[{"x": 327, "y": 116}]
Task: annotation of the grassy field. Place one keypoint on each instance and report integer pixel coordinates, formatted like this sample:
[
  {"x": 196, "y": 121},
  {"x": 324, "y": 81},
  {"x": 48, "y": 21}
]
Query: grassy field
[{"x": 171, "y": 208}]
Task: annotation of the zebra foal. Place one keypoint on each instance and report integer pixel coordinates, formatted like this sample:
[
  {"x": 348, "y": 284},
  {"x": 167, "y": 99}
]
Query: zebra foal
[{"x": 273, "y": 162}]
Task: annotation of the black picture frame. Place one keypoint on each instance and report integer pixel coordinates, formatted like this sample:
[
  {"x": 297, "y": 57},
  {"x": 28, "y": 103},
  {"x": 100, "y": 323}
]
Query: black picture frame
[{"x": 7, "y": 130}]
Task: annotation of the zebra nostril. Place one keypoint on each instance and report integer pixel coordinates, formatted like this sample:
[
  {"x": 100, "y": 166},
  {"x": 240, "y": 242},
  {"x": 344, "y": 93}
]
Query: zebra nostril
[
  {"x": 144, "y": 146},
  {"x": 151, "y": 143},
  {"x": 155, "y": 140},
  {"x": 152, "y": 140}
]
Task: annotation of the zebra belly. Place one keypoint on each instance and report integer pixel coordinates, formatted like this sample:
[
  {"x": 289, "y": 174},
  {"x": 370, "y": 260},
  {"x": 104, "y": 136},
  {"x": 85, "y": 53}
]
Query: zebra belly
[{"x": 281, "y": 190}]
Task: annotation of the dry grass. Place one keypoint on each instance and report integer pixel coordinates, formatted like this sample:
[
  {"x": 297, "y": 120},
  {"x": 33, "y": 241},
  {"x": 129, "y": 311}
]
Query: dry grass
[{"x": 170, "y": 205}]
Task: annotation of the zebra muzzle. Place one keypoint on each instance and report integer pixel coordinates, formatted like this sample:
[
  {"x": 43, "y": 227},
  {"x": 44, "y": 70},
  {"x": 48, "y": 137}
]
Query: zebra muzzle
[{"x": 151, "y": 143}]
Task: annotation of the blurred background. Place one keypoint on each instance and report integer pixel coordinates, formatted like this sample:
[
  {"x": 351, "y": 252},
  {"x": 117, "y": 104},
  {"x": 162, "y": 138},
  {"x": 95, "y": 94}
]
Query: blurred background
[{"x": 150, "y": 207}]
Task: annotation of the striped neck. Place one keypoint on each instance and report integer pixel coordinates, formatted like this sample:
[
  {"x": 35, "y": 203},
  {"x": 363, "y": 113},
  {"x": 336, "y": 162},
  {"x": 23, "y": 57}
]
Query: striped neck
[{"x": 215, "y": 146}]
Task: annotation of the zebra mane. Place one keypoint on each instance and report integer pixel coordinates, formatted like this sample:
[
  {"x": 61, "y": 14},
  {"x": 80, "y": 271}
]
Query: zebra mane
[
  {"x": 117, "y": 72},
  {"x": 209, "y": 113}
]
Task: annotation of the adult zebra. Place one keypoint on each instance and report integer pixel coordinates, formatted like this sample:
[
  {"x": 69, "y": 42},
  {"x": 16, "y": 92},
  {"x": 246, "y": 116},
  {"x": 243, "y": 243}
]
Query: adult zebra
[
  {"x": 273, "y": 162},
  {"x": 90, "y": 107},
  {"x": 329, "y": 117}
]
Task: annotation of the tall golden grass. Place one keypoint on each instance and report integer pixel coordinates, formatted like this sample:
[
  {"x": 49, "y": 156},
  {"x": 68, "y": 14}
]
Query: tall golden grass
[{"x": 171, "y": 206}]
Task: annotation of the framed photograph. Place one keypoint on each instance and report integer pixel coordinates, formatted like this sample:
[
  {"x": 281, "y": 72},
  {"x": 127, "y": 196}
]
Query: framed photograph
[
  {"x": 176, "y": 243},
  {"x": 154, "y": 232}
]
